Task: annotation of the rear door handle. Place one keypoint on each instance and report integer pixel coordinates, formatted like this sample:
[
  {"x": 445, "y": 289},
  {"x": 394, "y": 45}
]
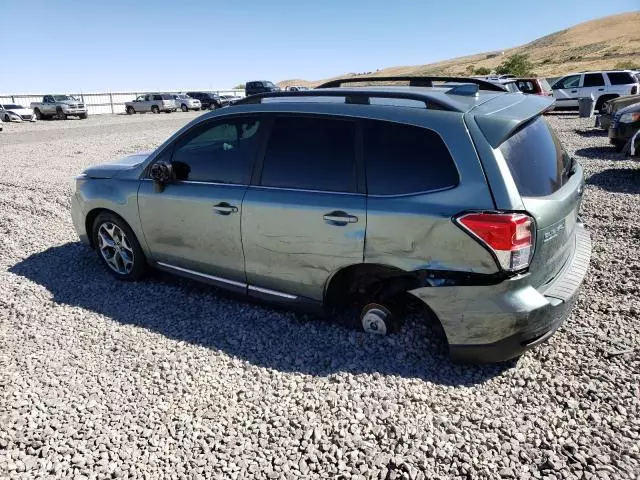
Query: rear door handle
[
  {"x": 224, "y": 208},
  {"x": 574, "y": 91},
  {"x": 339, "y": 217},
  {"x": 601, "y": 89}
]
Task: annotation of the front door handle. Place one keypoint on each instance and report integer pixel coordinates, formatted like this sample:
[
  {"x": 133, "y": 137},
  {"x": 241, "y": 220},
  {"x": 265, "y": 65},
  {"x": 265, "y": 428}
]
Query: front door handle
[
  {"x": 339, "y": 217},
  {"x": 224, "y": 208},
  {"x": 574, "y": 91},
  {"x": 601, "y": 89}
]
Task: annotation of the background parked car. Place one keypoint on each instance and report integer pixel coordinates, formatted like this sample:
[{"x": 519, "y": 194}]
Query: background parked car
[
  {"x": 61, "y": 106},
  {"x": 296, "y": 88},
  {"x": 612, "y": 106},
  {"x": 624, "y": 125},
  {"x": 260, "y": 86},
  {"x": 0, "y": 124},
  {"x": 208, "y": 100},
  {"x": 601, "y": 86},
  {"x": 151, "y": 102},
  {"x": 11, "y": 112},
  {"x": 534, "y": 86},
  {"x": 185, "y": 102}
]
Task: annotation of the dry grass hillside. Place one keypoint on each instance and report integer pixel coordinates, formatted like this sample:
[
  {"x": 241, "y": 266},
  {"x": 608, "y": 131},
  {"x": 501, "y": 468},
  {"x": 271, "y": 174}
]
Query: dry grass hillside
[{"x": 594, "y": 45}]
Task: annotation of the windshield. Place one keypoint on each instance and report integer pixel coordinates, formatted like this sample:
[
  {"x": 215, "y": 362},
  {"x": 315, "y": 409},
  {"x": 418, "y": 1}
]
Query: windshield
[
  {"x": 64, "y": 98},
  {"x": 11, "y": 106},
  {"x": 269, "y": 84},
  {"x": 182, "y": 97}
]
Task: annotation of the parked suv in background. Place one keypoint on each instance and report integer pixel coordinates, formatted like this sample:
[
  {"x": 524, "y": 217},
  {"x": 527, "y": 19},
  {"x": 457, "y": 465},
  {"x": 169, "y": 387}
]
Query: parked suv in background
[
  {"x": 534, "y": 86},
  {"x": 152, "y": 102},
  {"x": 260, "y": 86},
  {"x": 601, "y": 86},
  {"x": 209, "y": 101},
  {"x": 462, "y": 199},
  {"x": 186, "y": 103}
]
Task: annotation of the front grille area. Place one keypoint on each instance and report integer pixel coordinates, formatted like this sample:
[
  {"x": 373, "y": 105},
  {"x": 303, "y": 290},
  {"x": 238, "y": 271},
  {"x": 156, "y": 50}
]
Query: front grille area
[{"x": 26, "y": 117}]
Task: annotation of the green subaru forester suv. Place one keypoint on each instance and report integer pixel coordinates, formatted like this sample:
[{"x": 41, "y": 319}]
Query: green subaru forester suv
[{"x": 457, "y": 193}]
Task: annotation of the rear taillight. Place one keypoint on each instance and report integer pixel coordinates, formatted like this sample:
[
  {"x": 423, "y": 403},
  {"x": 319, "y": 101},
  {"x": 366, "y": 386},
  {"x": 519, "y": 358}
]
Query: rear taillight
[{"x": 510, "y": 236}]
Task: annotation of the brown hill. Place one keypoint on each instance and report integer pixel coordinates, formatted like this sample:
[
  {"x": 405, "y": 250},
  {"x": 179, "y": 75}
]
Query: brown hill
[{"x": 599, "y": 44}]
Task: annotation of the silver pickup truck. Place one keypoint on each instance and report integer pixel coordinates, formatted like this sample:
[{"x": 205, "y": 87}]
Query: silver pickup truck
[
  {"x": 61, "y": 106},
  {"x": 151, "y": 102}
]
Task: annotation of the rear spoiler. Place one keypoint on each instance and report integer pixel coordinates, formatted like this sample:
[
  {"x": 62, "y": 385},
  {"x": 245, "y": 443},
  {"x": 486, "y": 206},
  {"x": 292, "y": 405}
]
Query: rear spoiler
[{"x": 500, "y": 117}]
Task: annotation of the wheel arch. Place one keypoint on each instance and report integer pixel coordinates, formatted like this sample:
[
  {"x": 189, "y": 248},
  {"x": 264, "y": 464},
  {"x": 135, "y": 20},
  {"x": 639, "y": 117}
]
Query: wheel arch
[
  {"x": 91, "y": 216},
  {"x": 340, "y": 284}
]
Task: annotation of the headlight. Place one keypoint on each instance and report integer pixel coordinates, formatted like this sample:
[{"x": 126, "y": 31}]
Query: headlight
[{"x": 630, "y": 117}]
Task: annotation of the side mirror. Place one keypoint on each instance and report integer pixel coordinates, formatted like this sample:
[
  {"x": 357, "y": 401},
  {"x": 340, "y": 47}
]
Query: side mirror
[{"x": 162, "y": 174}]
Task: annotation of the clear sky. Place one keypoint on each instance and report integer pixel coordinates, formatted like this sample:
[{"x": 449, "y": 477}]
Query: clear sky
[{"x": 120, "y": 45}]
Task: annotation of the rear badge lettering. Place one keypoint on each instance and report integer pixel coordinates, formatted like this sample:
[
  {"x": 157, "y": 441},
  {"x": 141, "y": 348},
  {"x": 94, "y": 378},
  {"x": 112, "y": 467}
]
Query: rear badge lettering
[{"x": 553, "y": 233}]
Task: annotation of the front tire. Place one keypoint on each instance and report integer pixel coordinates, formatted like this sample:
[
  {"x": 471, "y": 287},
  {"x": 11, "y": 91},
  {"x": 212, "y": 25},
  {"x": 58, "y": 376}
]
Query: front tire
[
  {"x": 155, "y": 109},
  {"x": 118, "y": 248},
  {"x": 131, "y": 110},
  {"x": 61, "y": 115},
  {"x": 184, "y": 108},
  {"x": 83, "y": 116},
  {"x": 38, "y": 113}
]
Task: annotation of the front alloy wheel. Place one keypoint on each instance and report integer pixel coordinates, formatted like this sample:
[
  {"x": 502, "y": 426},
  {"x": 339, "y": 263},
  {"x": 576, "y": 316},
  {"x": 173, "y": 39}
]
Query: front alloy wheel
[
  {"x": 115, "y": 248},
  {"x": 118, "y": 247}
]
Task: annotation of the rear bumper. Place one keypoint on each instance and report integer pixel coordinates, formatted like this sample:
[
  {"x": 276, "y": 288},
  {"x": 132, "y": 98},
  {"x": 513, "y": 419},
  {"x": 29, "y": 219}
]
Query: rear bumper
[{"x": 494, "y": 323}]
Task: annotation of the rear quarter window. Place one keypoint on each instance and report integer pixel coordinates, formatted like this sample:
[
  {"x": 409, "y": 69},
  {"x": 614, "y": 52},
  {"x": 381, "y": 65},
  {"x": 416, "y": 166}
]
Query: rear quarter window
[
  {"x": 538, "y": 163},
  {"x": 404, "y": 159},
  {"x": 620, "y": 78}
]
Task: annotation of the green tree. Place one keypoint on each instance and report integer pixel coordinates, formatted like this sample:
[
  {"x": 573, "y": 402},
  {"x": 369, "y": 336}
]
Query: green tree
[
  {"x": 482, "y": 71},
  {"x": 517, "y": 64},
  {"x": 470, "y": 69}
]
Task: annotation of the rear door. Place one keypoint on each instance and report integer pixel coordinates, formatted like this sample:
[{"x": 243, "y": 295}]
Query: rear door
[
  {"x": 305, "y": 217},
  {"x": 551, "y": 186},
  {"x": 566, "y": 91},
  {"x": 592, "y": 85}
]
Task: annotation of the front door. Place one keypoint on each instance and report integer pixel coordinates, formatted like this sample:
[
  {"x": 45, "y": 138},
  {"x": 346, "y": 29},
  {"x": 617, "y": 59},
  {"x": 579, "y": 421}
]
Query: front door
[
  {"x": 194, "y": 224},
  {"x": 305, "y": 219},
  {"x": 566, "y": 91}
]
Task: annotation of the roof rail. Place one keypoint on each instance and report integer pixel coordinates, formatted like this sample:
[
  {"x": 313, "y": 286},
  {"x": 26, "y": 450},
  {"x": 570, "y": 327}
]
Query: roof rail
[
  {"x": 415, "y": 81},
  {"x": 361, "y": 97}
]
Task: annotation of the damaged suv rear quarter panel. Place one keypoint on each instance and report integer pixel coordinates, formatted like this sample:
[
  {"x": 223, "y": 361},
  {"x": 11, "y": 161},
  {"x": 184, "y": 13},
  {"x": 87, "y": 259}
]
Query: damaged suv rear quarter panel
[{"x": 415, "y": 231}]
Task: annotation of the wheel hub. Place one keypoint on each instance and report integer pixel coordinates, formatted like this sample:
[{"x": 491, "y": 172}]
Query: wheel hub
[{"x": 374, "y": 321}]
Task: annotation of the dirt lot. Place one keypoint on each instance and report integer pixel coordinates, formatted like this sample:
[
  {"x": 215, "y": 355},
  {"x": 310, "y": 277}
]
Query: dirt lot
[{"x": 169, "y": 379}]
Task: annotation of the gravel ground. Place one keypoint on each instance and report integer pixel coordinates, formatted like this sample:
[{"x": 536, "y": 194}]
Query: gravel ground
[{"x": 170, "y": 379}]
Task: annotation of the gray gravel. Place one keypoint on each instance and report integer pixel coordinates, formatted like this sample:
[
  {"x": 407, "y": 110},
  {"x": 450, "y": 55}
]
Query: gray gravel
[{"x": 170, "y": 379}]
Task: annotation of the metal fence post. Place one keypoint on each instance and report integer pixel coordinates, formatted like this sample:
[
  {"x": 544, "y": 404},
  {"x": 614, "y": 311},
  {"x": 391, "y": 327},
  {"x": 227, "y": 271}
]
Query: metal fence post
[
  {"x": 111, "y": 102},
  {"x": 13, "y": 100}
]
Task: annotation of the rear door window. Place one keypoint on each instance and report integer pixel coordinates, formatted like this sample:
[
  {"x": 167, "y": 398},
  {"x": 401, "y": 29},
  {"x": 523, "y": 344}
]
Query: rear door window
[
  {"x": 538, "y": 163},
  {"x": 593, "y": 80},
  {"x": 404, "y": 159},
  {"x": 526, "y": 86},
  {"x": 220, "y": 152},
  {"x": 620, "y": 78},
  {"x": 312, "y": 154}
]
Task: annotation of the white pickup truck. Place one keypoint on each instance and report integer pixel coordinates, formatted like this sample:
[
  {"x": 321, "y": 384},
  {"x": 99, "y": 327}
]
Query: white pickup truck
[{"x": 61, "y": 106}]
